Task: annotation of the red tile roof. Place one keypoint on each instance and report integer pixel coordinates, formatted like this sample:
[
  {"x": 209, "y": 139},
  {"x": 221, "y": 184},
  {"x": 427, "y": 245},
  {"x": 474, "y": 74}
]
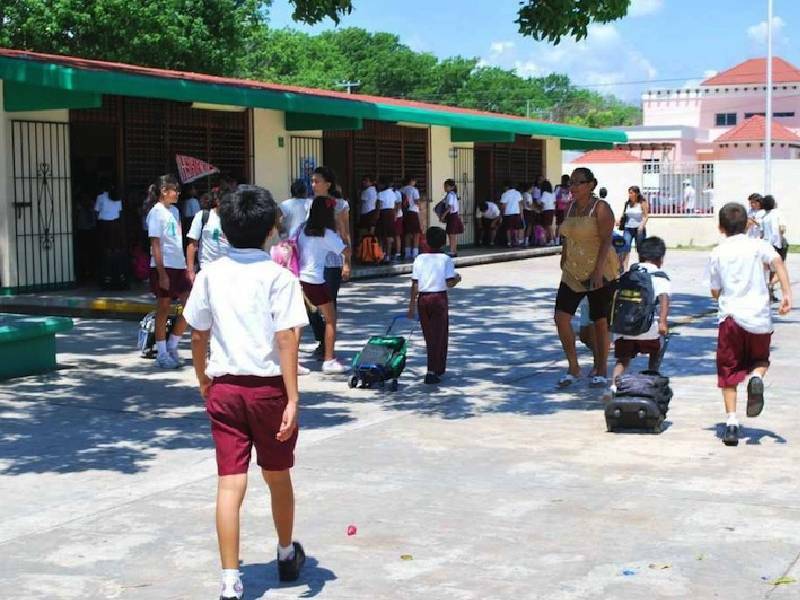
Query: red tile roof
[
  {"x": 754, "y": 71},
  {"x": 606, "y": 156},
  {"x": 753, "y": 130},
  {"x": 84, "y": 63}
]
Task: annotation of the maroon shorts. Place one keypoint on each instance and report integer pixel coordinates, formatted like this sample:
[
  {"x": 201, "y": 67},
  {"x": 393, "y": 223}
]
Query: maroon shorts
[
  {"x": 317, "y": 293},
  {"x": 369, "y": 219},
  {"x": 488, "y": 224},
  {"x": 179, "y": 283},
  {"x": 512, "y": 222},
  {"x": 454, "y": 224},
  {"x": 547, "y": 218},
  {"x": 529, "y": 216},
  {"x": 560, "y": 215},
  {"x": 247, "y": 411},
  {"x": 398, "y": 226},
  {"x": 739, "y": 352},
  {"x": 386, "y": 222},
  {"x": 628, "y": 349},
  {"x": 411, "y": 223}
]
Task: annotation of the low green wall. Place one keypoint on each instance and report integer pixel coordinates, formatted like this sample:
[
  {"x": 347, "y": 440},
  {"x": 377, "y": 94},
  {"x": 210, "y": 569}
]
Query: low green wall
[{"x": 28, "y": 344}]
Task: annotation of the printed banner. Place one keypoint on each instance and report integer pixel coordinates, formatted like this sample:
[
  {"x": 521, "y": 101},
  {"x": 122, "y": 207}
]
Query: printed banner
[{"x": 190, "y": 168}]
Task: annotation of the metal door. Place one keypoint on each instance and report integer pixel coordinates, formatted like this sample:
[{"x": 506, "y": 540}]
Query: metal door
[
  {"x": 306, "y": 155},
  {"x": 464, "y": 176},
  {"x": 42, "y": 205}
]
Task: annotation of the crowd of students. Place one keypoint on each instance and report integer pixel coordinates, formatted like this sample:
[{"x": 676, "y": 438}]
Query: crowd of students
[{"x": 390, "y": 211}]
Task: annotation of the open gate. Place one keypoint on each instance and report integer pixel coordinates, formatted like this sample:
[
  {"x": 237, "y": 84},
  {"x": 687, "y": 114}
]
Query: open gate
[
  {"x": 43, "y": 252},
  {"x": 464, "y": 176}
]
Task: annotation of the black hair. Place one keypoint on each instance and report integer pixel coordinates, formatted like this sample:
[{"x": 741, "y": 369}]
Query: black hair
[
  {"x": 733, "y": 219},
  {"x": 369, "y": 178},
  {"x": 565, "y": 179},
  {"x": 756, "y": 197},
  {"x": 328, "y": 175},
  {"x": 451, "y": 183},
  {"x": 546, "y": 186},
  {"x": 321, "y": 216},
  {"x": 636, "y": 190},
  {"x": 382, "y": 183},
  {"x": 768, "y": 203},
  {"x": 154, "y": 191},
  {"x": 408, "y": 179},
  {"x": 484, "y": 206},
  {"x": 587, "y": 173},
  {"x": 603, "y": 192},
  {"x": 299, "y": 189},
  {"x": 652, "y": 249},
  {"x": 436, "y": 237},
  {"x": 247, "y": 216}
]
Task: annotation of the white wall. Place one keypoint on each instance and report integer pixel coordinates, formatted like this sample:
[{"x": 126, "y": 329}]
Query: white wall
[
  {"x": 272, "y": 162},
  {"x": 616, "y": 178}
]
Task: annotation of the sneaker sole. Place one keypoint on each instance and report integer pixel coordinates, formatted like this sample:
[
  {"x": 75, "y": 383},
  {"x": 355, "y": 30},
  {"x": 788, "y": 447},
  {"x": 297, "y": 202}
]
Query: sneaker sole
[{"x": 755, "y": 397}]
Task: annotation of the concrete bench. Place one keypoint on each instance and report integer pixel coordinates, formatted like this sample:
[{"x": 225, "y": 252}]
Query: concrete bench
[{"x": 28, "y": 344}]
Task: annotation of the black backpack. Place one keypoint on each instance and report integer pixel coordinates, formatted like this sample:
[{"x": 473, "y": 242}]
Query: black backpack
[{"x": 635, "y": 302}]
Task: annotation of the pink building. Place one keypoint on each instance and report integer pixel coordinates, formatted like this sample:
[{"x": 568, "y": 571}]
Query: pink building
[{"x": 722, "y": 118}]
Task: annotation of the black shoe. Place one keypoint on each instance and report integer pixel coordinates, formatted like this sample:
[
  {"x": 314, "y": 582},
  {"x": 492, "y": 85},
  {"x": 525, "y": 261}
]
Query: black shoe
[
  {"x": 731, "y": 437},
  {"x": 755, "y": 396},
  {"x": 319, "y": 352},
  {"x": 430, "y": 378},
  {"x": 289, "y": 569}
]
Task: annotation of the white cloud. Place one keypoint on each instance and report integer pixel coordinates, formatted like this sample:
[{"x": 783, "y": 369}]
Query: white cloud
[
  {"x": 603, "y": 61},
  {"x": 641, "y": 8},
  {"x": 758, "y": 33}
]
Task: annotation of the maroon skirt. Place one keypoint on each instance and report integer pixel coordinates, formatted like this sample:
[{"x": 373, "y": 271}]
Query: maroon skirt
[
  {"x": 411, "y": 224},
  {"x": 386, "y": 222},
  {"x": 369, "y": 219},
  {"x": 547, "y": 218},
  {"x": 454, "y": 224},
  {"x": 398, "y": 226},
  {"x": 179, "y": 283},
  {"x": 318, "y": 294},
  {"x": 512, "y": 222}
]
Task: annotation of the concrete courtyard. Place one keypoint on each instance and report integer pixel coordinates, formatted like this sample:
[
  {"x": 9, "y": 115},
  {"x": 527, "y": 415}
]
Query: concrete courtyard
[{"x": 495, "y": 485}]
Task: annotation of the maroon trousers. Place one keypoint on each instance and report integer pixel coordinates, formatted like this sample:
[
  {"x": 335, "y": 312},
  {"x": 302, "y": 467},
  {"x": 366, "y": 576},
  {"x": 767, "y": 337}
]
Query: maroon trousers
[{"x": 434, "y": 318}]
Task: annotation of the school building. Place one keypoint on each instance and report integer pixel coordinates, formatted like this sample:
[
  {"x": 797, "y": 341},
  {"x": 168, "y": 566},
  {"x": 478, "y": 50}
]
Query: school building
[{"x": 67, "y": 123}]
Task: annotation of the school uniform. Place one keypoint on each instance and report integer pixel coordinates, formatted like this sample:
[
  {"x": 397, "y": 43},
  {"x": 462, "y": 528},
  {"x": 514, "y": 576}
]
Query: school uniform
[
  {"x": 548, "y": 201},
  {"x": 211, "y": 241},
  {"x": 736, "y": 269},
  {"x": 398, "y": 214},
  {"x": 629, "y": 346},
  {"x": 386, "y": 208},
  {"x": 244, "y": 299},
  {"x": 411, "y": 223},
  {"x": 488, "y": 220},
  {"x": 314, "y": 252},
  {"x": 165, "y": 224},
  {"x": 431, "y": 272},
  {"x": 369, "y": 211},
  {"x": 511, "y": 200},
  {"x": 454, "y": 224},
  {"x": 109, "y": 224}
]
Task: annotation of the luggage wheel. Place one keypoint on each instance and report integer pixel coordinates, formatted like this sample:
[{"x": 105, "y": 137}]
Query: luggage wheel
[{"x": 393, "y": 385}]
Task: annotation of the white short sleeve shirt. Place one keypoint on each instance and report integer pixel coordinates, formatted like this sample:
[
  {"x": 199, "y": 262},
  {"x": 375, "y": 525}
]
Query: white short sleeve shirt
[
  {"x": 737, "y": 269},
  {"x": 386, "y": 199},
  {"x": 106, "y": 208},
  {"x": 314, "y": 252},
  {"x": 548, "y": 201},
  {"x": 294, "y": 212},
  {"x": 165, "y": 224},
  {"x": 369, "y": 198},
  {"x": 212, "y": 242},
  {"x": 412, "y": 195},
  {"x": 432, "y": 270},
  {"x": 452, "y": 201},
  {"x": 245, "y": 299},
  {"x": 511, "y": 199},
  {"x": 492, "y": 211},
  {"x": 398, "y": 203}
]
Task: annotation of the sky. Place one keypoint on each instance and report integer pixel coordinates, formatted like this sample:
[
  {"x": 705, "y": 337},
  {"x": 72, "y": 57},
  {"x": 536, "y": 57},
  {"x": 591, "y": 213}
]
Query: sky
[{"x": 660, "y": 44}]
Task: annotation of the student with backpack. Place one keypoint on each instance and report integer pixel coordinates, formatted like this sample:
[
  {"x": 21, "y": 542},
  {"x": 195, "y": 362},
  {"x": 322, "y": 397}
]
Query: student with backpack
[
  {"x": 316, "y": 240},
  {"x": 247, "y": 307},
  {"x": 168, "y": 277},
  {"x": 411, "y": 224},
  {"x": 736, "y": 273},
  {"x": 647, "y": 323},
  {"x": 207, "y": 242},
  {"x": 294, "y": 211},
  {"x": 432, "y": 274}
]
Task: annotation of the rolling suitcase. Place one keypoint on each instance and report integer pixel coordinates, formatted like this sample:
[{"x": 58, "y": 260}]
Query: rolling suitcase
[{"x": 641, "y": 401}]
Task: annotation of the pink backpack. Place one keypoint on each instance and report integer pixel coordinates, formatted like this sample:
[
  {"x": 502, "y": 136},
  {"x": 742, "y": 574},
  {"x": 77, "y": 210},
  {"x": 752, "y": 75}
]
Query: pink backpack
[
  {"x": 286, "y": 253},
  {"x": 539, "y": 235}
]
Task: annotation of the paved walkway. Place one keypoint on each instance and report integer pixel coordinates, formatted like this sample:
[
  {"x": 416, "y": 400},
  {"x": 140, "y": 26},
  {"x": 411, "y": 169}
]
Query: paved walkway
[{"x": 497, "y": 485}]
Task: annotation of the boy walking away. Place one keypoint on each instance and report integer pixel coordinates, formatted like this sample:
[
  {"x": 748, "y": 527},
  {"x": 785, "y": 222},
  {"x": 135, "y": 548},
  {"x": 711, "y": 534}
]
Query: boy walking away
[
  {"x": 248, "y": 306},
  {"x": 433, "y": 272},
  {"x": 627, "y": 347},
  {"x": 736, "y": 273},
  {"x": 168, "y": 278}
]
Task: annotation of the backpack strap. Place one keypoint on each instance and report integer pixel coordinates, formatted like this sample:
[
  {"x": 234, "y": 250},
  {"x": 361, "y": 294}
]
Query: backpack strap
[
  {"x": 204, "y": 218},
  {"x": 661, "y": 274}
]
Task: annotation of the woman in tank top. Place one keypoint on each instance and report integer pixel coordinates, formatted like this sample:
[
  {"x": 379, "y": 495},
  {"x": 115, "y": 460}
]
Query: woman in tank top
[{"x": 633, "y": 222}]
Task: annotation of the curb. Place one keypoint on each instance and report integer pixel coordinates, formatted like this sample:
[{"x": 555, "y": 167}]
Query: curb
[{"x": 133, "y": 310}]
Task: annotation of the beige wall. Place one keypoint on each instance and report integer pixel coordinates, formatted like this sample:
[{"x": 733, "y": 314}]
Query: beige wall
[
  {"x": 8, "y": 258},
  {"x": 553, "y": 167},
  {"x": 441, "y": 167},
  {"x": 273, "y": 163}
]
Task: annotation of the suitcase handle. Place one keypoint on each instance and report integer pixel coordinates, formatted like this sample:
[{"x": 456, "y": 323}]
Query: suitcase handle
[{"x": 397, "y": 318}]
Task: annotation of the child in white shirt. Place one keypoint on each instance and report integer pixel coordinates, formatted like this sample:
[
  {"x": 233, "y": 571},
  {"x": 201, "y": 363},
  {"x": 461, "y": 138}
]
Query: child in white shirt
[
  {"x": 247, "y": 307},
  {"x": 736, "y": 273},
  {"x": 411, "y": 224},
  {"x": 433, "y": 272},
  {"x": 510, "y": 204},
  {"x": 207, "y": 242}
]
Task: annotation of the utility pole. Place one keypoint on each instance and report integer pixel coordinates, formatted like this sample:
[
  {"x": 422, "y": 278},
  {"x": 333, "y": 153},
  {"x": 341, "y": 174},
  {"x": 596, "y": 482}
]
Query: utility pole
[
  {"x": 768, "y": 111},
  {"x": 348, "y": 84}
]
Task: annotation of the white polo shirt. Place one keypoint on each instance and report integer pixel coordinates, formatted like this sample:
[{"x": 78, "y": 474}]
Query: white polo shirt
[
  {"x": 386, "y": 199},
  {"x": 432, "y": 270},
  {"x": 294, "y": 212},
  {"x": 412, "y": 195},
  {"x": 245, "y": 299},
  {"x": 736, "y": 268},
  {"x": 511, "y": 199},
  {"x": 165, "y": 224},
  {"x": 314, "y": 253},
  {"x": 106, "y": 208},
  {"x": 369, "y": 197},
  {"x": 492, "y": 211},
  {"x": 452, "y": 201},
  {"x": 548, "y": 201},
  {"x": 213, "y": 244}
]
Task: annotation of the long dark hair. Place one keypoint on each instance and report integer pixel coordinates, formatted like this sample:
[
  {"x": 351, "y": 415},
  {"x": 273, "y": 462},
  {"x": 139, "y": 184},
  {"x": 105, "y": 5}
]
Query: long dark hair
[
  {"x": 154, "y": 191},
  {"x": 452, "y": 183},
  {"x": 321, "y": 216},
  {"x": 635, "y": 189}
]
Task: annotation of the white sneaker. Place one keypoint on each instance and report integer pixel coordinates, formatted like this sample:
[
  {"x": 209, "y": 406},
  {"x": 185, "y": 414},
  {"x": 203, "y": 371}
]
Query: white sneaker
[
  {"x": 333, "y": 366},
  {"x": 301, "y": 370},
  {"x": 165, "y": 361}
]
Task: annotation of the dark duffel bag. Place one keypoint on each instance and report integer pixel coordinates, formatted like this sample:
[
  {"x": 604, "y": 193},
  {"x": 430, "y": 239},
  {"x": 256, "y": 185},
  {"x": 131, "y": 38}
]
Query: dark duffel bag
[{"x": 647, "y": 384}]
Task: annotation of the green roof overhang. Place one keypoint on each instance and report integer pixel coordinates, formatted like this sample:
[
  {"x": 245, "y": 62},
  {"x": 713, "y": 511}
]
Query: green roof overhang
[
  {"x": 458, "y": 134},
  {"x": 295, "y": 121},
  {"x": 100, "y": 81}
]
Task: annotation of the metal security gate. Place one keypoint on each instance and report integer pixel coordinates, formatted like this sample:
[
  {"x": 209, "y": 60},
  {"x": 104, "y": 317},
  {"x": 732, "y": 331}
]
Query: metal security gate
[
  {"x": 306, "y": 155},
  {"x": 464, "y": 176},
  {"x": 43, "y": 252},
  {"x": 678, "y": 188}
]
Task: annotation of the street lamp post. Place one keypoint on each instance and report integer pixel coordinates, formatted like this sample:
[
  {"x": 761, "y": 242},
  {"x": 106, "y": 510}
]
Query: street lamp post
[{"x": 768, "y": 111}]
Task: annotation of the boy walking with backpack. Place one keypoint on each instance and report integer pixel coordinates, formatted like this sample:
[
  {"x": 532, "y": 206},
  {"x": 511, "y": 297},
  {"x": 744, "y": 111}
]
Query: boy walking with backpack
[
  {"x": 433, "y": 272},
  {"x": 654, "y": 321},
  {"x": 736, "y": 272},
  {"x": 248, "y": 306}
]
